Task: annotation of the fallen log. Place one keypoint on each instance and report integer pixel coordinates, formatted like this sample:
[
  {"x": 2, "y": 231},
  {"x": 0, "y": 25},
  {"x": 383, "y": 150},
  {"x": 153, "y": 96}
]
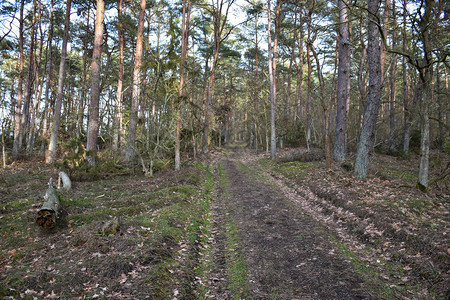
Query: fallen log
[{"x": 49, "y": 212}]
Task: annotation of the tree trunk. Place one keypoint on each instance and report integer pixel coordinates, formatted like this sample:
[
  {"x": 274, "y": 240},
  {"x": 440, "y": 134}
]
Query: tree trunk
[
  {"x": 219, "y": 22},
  {"x": 272, "y": 75},
  {"x": 136, "y": 85},
  {"x": 362, "y": 76},
  {"x": 44, "y": 137},
  {"x": 410, "y": 116},
  {"x": 130, "y": 152},
  {"x": 299, "y": 68},
  {"x": 426, "y": 73},
  {"x": 392, "y": 143},
  {"x": 49, "y": 212},
  {"x": 16, "y": 144},
  {"x": 25, "y": 118},
  {"x": 308, "y": 99},
  {"x": 383, "y": 48},
  {"x": 82, "y": 101},
  {"x": 325, "y": 111},
  {"x": 93, "y": 125},
  {"x": 272, "y": 85},
  {"x": 343, "y": 88},
  {"x": 119, "y": 96},
  {"x": 184, "y": 49},
  {"x": 38, "y": 90},
  {"x": 51, "y": 155},
  {"x": 404, "y": 74},
  {"x": 367, "y": 137},
  {"x": 441, "y": 107}
]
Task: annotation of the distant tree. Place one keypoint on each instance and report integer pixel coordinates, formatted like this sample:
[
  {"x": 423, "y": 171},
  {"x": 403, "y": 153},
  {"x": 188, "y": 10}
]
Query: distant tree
[
  {"x": 119, "y": 94},
  {"x": 392, "y": 143},
  {"x": 92, "y": 133},
  {"x": 219, "y": 10},
  {"x": 16, "y": 144},
  {"x": 184, "y": 47},
  {"x": 272, "y": 50},
  {"x": 130, "y": 151},
  {"x": 51, "y": 155},
  {"x": 47, "y": 81}
]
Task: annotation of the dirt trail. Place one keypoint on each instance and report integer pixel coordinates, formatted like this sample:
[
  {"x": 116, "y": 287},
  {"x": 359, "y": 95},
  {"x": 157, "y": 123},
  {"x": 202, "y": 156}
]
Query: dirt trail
[{"x": 287, "y": 254}]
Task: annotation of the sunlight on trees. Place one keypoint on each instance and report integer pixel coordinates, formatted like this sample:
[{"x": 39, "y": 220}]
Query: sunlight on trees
[{"x": 171, "y": 79}]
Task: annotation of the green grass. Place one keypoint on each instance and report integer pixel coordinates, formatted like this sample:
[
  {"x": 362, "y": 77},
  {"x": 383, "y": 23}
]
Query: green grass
[
  {"x": 157, "y": 218},
  {"x": 235, "y": 264},
  {"x": 294, "y": 169},
  {"x": 236, "y": 267}
]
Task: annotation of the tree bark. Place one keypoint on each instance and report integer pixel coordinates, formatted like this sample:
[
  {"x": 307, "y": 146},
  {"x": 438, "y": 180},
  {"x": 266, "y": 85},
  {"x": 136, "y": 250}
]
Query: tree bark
[
  {"x": 409, "y": 115},
  {"x": 392, "y": 143},
  {"x": 308, "y": 99},
  {"x": 16, "y": 144},
  {"x": 136, "y": 85},
  {"x": 325, "y": 111},
  {"x": 82, "y": 101},
  {"x": 48, "y": 214},
  {"x": 272, "y": 85},
  {"x": 92, "y": 134},
  {"x": 367, "y": 137},
  {"x": 184, "y": 48},
  {"x": 38, "y": 91},
  {"x": 119, "y": 96},
  {"x": 426, "y": 73},
  {"x": 362, "y": 76},
  {"x": 44, "y": 136},
  {"x": 25, "y": 118},
  {"x": 51, "y": 155},
  {"x": 343, "y": 88},
  {"x": 299, "y": 68},
  {"x": 383, "y": 48}
]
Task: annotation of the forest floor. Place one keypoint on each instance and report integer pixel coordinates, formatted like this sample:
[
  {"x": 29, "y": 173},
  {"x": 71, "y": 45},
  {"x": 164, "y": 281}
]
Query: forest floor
[{"x": 231, "y": 225}]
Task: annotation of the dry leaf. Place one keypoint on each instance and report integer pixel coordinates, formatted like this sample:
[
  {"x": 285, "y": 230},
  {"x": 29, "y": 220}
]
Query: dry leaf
[{"x": 124, "y": 279}]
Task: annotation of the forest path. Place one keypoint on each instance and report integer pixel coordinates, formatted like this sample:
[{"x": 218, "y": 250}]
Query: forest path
[{"x": 266, "y": 248}]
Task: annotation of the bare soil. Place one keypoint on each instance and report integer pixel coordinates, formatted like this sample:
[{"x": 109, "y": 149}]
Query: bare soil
[
  {"x": 317, "y": 234},
  {"x": 288, "y": 254}
]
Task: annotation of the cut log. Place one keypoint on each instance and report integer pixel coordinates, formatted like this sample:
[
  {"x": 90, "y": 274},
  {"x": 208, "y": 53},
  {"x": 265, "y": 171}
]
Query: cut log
[{"x": 48, "y": 214}]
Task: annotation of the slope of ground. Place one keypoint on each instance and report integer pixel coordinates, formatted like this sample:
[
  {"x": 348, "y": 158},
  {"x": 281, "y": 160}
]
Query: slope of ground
[
  {"x": 396, "y": 236},
  {"x": 233, "y": 225},
  {"x": 154, "y": 255}
]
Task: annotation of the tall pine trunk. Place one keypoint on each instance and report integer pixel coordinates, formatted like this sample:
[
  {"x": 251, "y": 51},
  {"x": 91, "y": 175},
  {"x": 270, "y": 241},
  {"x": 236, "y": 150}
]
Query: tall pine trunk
[
  {"x": 308, "y": 99},
  {"x": 92, "y": 132},
  {"x": 184, "y": 46},
  {"x": 367, "y": 137},
  {"x": 343, "y": 88},
  {"x": 426, "y": 73},
  {"x": 392, "y": 143},
  {"x": 16, "y": 144},
  {"x": 119, "y": 96},
  {"x": 130, "y": 152},
  {"x": 272, "y": 75},
  {"x": 51, "y": 155},
  {"x": 44, "y": 136}
]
